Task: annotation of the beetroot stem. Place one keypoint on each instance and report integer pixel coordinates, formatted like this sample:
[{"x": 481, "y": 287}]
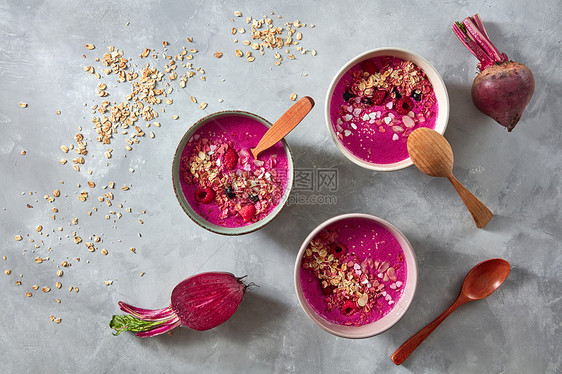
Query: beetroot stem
[
  {"x": 472, "y": 34},
  {"x": 472, "y": 46},
  {"x": 161, "y": 329},
  {"x": 144, "y": 322},
  {"x": 147, "y": 314}
]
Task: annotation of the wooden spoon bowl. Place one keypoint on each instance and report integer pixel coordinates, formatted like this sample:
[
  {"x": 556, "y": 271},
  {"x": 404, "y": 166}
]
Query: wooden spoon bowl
[
  {"x": 432, "y": 154},
  {"x": 480, "y": 282}
]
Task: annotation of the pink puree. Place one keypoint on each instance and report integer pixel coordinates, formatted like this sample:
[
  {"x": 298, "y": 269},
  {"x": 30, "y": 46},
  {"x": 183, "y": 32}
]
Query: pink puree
[
  {"x": 364, "y": 239},
  {"x": 244, "y": 133},
  {"x": 367, "y": 142}
]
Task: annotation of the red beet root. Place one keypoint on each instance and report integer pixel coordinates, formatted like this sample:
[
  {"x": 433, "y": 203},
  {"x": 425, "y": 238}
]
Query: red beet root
[
  {"x": 200, "y": 302},
  {"x": 503, "y": 91},
  {"x": 503, "y": 88}
]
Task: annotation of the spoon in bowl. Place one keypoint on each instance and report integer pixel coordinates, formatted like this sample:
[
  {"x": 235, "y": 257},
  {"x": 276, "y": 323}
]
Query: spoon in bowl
[
  {"x": 480, "y": 282},
  {"x": 432, "y": 154},
  {"x": 288, "y": 121}
]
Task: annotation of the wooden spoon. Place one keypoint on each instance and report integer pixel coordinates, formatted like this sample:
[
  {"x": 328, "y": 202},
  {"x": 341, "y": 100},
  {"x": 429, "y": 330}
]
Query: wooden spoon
[
  {"x": 284, "y": 125},
  {"x": 480, "y": 282},
  {"x": 432, "y": 154}
]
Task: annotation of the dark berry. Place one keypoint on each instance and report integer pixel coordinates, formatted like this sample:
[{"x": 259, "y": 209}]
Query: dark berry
[
  {"x": 417, "y": 95},
  {"x": 230, "y": 193},
  {"x": 369, "y": 67},
  {"x": 337, "y": 249},
  {"x": 366, "y": 101},
  {"x": 378, "y": 97},
  {"x": 347, "y": 95},
  {"x": 396, "y": 93},
  {"x": 253, "y": 198},
  {"x": 204, "y": 195},
  {"x": 404, "y": 105}
]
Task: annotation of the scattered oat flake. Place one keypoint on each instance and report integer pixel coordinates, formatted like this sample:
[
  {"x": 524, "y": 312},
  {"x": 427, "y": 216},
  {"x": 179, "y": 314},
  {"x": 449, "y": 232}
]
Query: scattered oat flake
[
  {"x": 238, "y": 13},
  {"x": 193, "y": 99},
  {"x": 202, "y": 106},
  {"x": 23, "y": 153},
  {"x": 28, "y": 294},
  {"x": 218, "y": 54},
  {"x": 108, "y": 282},
  {"x": 90, "y": 46},
  {"x": 8, "y": 272},
  {"x": 293, "y": 96},
  {"x": 18, "y": 237},
  {"x": 45, "y": 289},
  {"x": 133, "y": 249},
  {"x": 22, "y": 105}
]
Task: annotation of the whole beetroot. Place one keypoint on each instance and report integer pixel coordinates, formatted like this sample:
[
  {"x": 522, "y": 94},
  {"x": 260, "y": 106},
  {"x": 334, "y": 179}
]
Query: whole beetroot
[
  {"x": 503, "y": 88},
  {"x": 200, "y": 302}
]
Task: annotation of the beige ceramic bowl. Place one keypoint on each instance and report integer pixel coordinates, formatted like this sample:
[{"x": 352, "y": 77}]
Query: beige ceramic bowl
[
  {"x": 434, "y": 78},
  {"x": 386, "y": 322}
]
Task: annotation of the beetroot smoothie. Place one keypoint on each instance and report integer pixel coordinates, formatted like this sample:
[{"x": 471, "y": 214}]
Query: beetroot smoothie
[
  {"x": 377, "y": 104},
  {"x": 220, "y": 178},
  {"x": 353, "y": 272}
]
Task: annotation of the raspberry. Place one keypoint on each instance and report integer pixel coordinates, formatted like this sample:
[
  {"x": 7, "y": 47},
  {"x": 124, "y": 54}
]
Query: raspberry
[
  {"x": 369, "y": 67},
  {"x": 349, "y": 308},
  {"x": 328, "y": 290},
  {"x": 230, "y": 159},
  {"x": 378, "y": 97},
  {"x": 247, "y": 212},
  {"x": 204, "y": 195},
  {"x": 404, "y": 105},
  {"x": 338, "y": 250}
]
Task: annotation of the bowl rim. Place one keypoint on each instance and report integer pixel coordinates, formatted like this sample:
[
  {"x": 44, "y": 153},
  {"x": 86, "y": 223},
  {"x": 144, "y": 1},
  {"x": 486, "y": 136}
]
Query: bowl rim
[
  {"x": 436, "y": 80},
  {"x": 200, "y": 221},
  {"x": 403, "y": 304}
]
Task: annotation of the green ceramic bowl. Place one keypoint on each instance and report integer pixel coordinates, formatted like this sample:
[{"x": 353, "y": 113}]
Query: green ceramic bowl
[{"x": 185, "y": 204}]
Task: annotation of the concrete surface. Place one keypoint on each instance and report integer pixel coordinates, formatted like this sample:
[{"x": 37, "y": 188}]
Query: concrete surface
[{"x": 518, "y": 174}]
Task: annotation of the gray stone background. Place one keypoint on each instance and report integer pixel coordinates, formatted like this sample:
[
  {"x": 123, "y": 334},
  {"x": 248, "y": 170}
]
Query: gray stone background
[{"x": 516, "y": 330}]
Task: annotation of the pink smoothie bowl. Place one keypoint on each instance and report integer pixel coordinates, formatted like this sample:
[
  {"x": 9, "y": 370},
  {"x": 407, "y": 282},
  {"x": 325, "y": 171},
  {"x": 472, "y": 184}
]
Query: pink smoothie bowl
[
  {"x": 388, "y": 320},
  {"x": 431, "y": 73},
  {"x": 184, "y": 201}
]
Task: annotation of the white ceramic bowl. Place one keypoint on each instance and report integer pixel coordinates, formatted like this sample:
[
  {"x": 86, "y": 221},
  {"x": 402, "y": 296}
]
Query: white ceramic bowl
[
  {"x": 434, "y": 78},
  {"x": 386, "y": 322}
]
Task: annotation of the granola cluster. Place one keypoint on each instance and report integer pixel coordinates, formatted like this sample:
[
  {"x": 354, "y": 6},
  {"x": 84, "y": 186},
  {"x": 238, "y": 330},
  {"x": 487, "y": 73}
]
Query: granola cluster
[{"x": 354, "y": 287}]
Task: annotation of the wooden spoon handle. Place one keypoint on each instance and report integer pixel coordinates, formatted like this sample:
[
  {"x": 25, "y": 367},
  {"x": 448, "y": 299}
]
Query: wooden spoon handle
[
  {"x": 284, "y": 125},
  {"x": 406, "y": 349},
  {"x": 479, "y": 212}
]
